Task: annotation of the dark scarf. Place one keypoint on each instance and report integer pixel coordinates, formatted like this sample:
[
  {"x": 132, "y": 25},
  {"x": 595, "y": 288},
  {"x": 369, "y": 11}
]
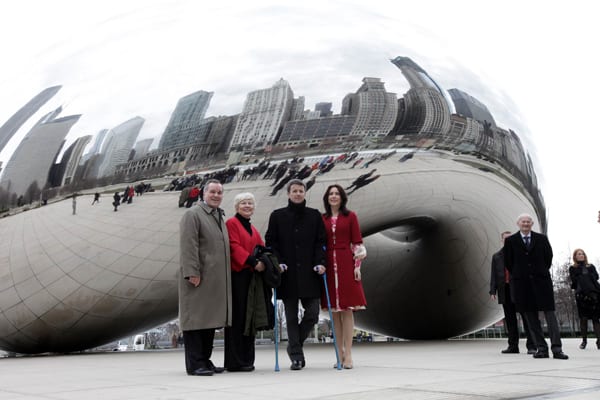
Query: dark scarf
[{"x": 245, "y": 223}]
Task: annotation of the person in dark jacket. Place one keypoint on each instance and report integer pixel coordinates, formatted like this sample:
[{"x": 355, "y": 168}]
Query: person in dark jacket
[
  {"x": 297, "y": 236},
  {"x": 500, "y": 289},
  {"x": 584, "y": 280},
  {"x": 528, "y": 258}
]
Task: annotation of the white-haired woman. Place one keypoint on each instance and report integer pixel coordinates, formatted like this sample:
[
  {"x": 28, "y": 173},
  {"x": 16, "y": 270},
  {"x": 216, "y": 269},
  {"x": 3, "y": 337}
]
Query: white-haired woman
[{"x": 243, "y": 238}]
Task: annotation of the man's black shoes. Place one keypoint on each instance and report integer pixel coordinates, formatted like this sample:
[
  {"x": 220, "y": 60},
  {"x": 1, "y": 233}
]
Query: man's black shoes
[
  {"x": 201, "y": 372},
  {"x": 296, "y": 365},
  {"x": 541, "y": 354},
  {"x": 560, "y": 355},
  {"x": 510, "y": 350},
  {"x": 213, "y": 368}
]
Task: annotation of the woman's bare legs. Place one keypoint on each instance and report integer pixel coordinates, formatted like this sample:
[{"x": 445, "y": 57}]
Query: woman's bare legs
[{"x": 347, "y": 329}]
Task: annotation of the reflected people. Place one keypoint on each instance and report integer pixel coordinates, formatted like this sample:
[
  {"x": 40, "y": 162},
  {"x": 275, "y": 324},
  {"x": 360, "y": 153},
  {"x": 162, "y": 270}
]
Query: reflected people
[
  {"x": 245, "y": 281},
  {"x": 345, "y": 252},
  {"x": 204, "y": 280},
  {"x": 584, "y": 280}
]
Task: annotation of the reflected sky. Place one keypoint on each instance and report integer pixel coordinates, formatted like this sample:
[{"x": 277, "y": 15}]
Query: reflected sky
[{"x": 118, "y": 62}]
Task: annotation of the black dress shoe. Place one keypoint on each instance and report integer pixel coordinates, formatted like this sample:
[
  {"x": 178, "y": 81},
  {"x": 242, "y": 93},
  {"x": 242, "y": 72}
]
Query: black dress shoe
[
  {"x": 296, "y": 365},
  {"x": 531, "y": 351},
  {"x": 303, "y": 363},
  {"x": 583, "y": 344},
  {"x": 213, "y": 368},
  {"x": 510, "y": 350},
  {"x": 201, "y": 372},
  {"x": 560, "y": 355},
  {"x": 245, "y": 368},
  {"x": 541, "y": 354}
]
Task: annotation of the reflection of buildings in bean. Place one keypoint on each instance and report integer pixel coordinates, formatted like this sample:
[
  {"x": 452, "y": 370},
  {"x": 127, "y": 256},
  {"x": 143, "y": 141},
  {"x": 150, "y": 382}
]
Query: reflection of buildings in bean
[
  {"x": 12, "y": 125},
  {"x": 185, "y": 120},
  {"x": 118, "y": 144},
  {"x": 29, "y": 165},
  {"x": 63, "y": 173}
]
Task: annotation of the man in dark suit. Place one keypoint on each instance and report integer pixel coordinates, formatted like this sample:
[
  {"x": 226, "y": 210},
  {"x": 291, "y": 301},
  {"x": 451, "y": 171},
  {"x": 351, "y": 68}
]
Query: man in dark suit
[
  {"x": 500, "y": 289},
  {"x": 528, "y": 258},
  {"x": 296, "y": 234}
]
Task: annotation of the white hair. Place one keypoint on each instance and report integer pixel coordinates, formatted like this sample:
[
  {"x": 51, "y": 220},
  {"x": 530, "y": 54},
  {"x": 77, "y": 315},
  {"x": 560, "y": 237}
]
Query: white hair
[
  {"x": 241, "y": 197},
  {"x": 524, "y": 215}
]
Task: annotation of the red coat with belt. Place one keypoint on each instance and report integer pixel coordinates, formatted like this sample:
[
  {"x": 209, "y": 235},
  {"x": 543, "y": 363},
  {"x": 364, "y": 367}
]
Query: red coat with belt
[{"x": 345, "y": 292}]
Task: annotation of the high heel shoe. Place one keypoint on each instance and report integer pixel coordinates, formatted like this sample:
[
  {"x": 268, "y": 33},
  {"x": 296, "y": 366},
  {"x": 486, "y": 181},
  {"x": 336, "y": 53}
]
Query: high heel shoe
[{"x": 583, "y": 344}]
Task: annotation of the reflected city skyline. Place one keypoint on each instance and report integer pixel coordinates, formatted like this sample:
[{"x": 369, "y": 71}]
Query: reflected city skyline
[{"x": 271, "y": 122}]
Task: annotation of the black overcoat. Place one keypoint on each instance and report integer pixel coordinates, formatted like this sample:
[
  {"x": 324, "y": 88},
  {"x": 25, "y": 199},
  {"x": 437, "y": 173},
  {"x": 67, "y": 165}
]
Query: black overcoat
[
  {"x": 497, "y": 278},
  {"x": 530, "y": 279},
  {"x": 296, "y": 235}
]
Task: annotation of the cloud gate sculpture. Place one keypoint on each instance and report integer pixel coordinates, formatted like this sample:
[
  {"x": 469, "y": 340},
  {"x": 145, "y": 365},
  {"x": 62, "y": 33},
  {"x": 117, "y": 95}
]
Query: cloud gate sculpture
[{"x": 447, "y": 182}]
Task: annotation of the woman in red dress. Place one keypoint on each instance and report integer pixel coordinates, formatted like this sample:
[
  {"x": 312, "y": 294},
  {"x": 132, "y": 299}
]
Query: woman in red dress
[{"x": 344, "y": 254}]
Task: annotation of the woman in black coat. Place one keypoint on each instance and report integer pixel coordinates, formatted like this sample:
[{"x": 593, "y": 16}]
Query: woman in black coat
[{"x": 584, "y": 280}]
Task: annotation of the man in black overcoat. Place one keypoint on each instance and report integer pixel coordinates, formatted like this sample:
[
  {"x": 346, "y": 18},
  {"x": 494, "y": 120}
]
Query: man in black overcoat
[
  {"x": 296, "y": 234},
  {"x": 528, "y": 258},
  {"x": 500, "y": 289}
]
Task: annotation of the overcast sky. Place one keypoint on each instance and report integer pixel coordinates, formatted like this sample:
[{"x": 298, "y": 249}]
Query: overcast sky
[{"x": 534, "y": 64}]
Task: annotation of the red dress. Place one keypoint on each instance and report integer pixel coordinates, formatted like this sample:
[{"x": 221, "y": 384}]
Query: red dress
[{"x": 345, "y": 292}]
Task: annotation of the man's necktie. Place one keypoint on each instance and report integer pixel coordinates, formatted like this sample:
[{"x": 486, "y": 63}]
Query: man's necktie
[{"x": 527, "y": 241}]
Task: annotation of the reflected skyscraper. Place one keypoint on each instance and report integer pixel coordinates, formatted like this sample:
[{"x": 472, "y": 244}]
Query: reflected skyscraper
[
  {"x": 142, "y": 147},
  {"x": 30, "y": 164},
  {"x": 72, "y": 158},
  {"x": 426, "y": 107},
  {"x": 12, "y": 125},
  {"x": 185, "y": 120},
  {"x": 374, "y": 107},
  {"x": 469, "y": 106},
  {"x": 118, "y": 145},
  {"x": 264, "y": 113}
]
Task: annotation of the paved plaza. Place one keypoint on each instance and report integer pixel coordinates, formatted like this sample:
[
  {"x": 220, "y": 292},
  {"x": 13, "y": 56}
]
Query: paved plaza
[{"x": 469, "y": 369}]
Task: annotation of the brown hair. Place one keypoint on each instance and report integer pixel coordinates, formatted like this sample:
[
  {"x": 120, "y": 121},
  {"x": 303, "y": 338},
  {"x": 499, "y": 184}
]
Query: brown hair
[
  {"x": 343, "y": 196},
  {"x": 584, "y": 255}
]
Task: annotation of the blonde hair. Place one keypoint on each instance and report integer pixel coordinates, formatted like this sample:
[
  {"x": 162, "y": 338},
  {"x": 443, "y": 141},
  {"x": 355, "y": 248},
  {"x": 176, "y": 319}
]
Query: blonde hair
[{"x": 241, "y": 197}]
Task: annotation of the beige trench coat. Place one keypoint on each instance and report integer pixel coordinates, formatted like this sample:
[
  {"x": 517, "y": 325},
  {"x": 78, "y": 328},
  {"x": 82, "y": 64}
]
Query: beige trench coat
[{"x": 204, "y": 252}]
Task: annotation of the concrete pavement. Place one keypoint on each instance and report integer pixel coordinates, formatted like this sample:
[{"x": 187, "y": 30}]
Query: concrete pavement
[{"x": 469, "y": 369}]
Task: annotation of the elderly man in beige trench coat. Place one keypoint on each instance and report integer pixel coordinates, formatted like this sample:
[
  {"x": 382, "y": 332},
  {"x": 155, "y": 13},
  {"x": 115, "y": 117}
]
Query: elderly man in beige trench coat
[{"x": 204, "y": 280}]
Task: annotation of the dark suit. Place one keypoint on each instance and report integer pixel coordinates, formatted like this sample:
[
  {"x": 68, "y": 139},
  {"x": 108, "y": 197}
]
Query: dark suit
[
  {"x": 531, "y": 285},
  {"x": 297, "y": 236},
  {"x": 501, "y": 288}
]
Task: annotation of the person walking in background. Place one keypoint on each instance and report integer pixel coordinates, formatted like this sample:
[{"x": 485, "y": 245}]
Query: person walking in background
[
  {"x": 96, "y": 198},
  {"x": 204, "y": 280},
  {"x": 74, "y": 203},
  {"x": 345, "y": 251},
  {"x": 584, "y": 280},
  {"x": 528, "y": 258},
  {"x": 243, "y": 239},
  {"x": 116, "y": 200},
  {"x": 297, "y": 237},
  {"x": 500, "y": 289}
]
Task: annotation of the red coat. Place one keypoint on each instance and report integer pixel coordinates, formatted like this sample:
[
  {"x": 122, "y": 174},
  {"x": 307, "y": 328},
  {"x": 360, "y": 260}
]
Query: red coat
[
  {"x": 349, "y": 293},
  {"x": 241, "y": 243}
]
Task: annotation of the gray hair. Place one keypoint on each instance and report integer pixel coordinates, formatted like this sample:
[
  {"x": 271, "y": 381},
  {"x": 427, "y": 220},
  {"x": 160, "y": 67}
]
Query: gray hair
[
  {"x": 241, "y": 197},
  {"x": 524, "y": 215}
]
